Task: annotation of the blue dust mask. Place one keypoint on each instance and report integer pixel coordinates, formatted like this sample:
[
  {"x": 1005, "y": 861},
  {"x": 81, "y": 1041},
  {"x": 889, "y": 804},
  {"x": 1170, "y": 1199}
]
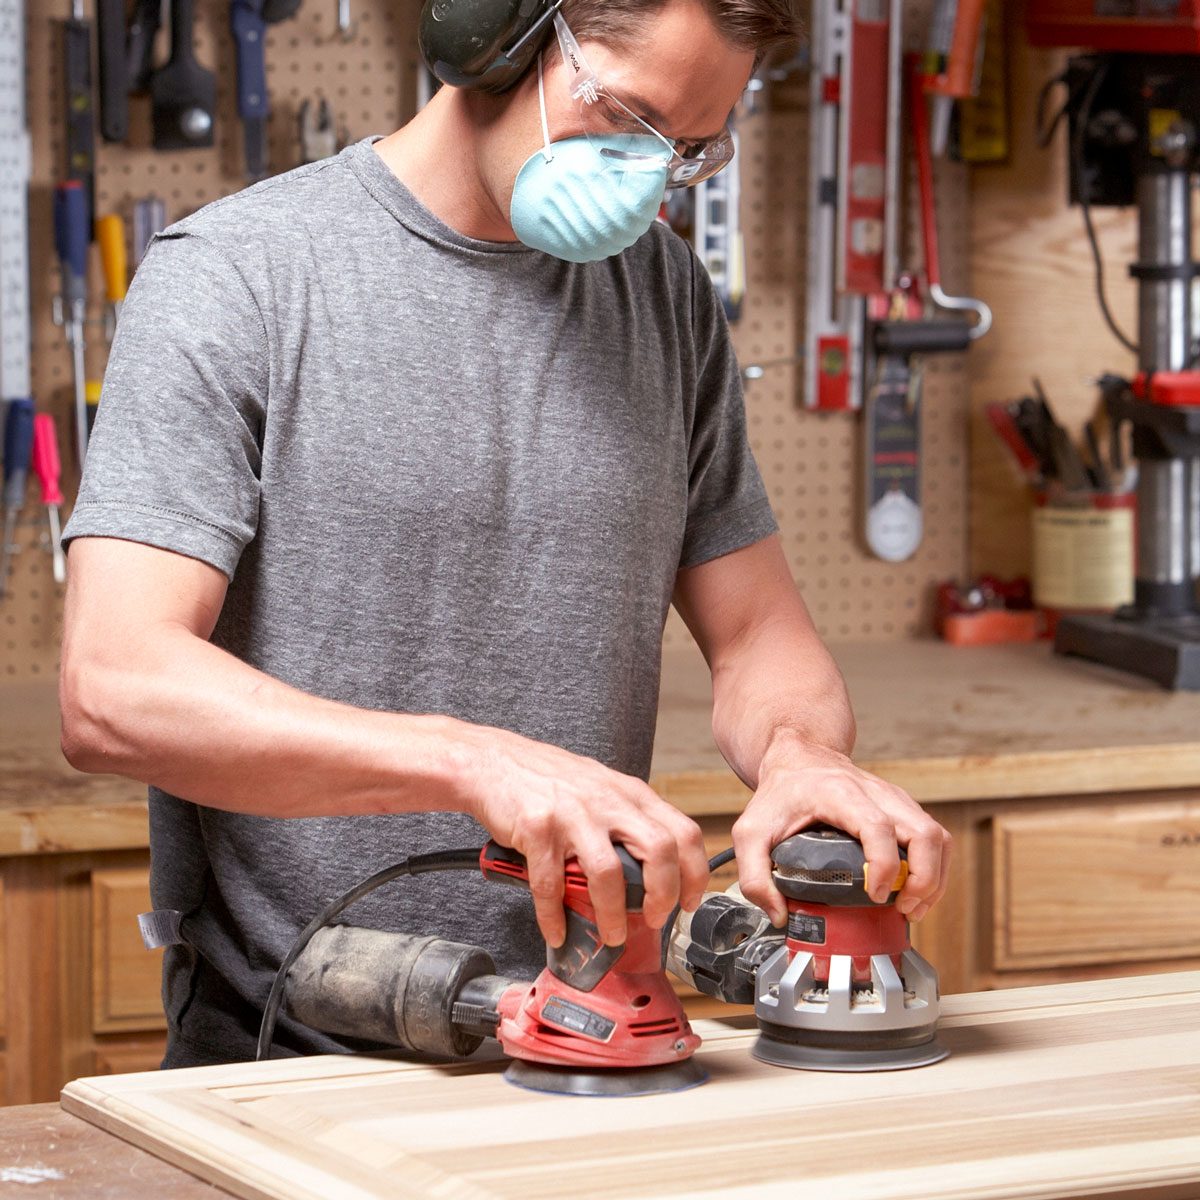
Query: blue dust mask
[{"x": 573, "y": 203}]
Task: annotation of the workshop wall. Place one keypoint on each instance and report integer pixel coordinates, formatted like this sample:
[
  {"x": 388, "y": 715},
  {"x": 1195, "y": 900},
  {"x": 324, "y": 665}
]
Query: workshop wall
[
  {"x": 811, "y": 462},
  {"x": 1031, "y": 262}
]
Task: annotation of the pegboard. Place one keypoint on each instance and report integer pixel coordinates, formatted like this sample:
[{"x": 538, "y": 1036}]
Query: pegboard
[{"x": 811, "y": 462}]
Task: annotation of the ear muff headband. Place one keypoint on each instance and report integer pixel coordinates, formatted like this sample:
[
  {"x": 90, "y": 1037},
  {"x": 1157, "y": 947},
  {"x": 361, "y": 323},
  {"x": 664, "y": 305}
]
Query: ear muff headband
[{"x": 483, "y": 44}]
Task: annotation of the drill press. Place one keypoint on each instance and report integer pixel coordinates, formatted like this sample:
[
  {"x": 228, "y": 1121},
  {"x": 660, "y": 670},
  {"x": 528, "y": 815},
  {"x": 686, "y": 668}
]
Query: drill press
[{"x": 1133, "y": 113}]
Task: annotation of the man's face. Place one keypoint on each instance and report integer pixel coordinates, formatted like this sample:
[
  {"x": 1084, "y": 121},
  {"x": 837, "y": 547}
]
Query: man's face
[{"x": 677, "y": 73}]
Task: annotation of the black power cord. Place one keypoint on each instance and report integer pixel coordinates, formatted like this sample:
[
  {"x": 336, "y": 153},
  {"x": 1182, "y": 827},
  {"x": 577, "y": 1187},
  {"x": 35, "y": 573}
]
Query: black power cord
[
  {"x": 1077, "y": 142},
  {"x": 418, "y": 864}
]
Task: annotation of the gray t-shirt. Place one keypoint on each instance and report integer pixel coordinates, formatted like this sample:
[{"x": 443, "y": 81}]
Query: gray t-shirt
[{"x": 443, "y": 476}]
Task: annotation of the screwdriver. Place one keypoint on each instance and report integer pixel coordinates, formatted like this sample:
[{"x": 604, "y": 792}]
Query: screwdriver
[
  {"x": 149, "y": 218},
  {"x": 92, "y": 390},
  {"x": 110, "y": 233},
  {"x": 18, "y": 442},
  {"x": 46, "y": 467},
  {"x": 71, "y": 239}
]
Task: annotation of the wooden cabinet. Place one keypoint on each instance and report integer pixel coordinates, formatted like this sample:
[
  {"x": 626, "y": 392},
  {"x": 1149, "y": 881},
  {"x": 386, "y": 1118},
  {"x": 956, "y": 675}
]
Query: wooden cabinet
[
  {"x": 80, "y": 995},
  {"x": 126, "y": 977}
]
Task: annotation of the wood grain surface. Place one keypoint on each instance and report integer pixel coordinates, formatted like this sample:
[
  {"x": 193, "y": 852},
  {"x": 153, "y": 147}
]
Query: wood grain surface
[
  {"x": 953, "y": 723},
  {"x": 1089, "y": 1089}
]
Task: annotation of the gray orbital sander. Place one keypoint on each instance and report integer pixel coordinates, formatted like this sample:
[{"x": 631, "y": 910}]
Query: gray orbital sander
[{"x": 842, "y": 989}]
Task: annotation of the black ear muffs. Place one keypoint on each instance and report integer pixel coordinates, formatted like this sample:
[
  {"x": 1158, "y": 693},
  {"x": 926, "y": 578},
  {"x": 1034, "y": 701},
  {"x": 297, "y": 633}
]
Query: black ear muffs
[{"x": 483, "y": 44}]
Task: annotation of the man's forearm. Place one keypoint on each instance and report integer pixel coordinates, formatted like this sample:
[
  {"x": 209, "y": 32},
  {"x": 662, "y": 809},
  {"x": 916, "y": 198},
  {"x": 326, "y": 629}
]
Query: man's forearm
[
  {"x": 187, "y": 717},
  {"x": 777, "y": 684}
]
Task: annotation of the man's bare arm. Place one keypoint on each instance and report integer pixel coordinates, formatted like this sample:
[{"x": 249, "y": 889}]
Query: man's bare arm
[
  {"x": 782, "y": 719},
  {"x": 144, "y": 694}
]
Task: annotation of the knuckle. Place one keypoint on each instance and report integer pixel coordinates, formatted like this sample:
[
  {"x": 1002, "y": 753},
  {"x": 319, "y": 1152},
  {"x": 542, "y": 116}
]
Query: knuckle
[{"x": 545, "y": 887}]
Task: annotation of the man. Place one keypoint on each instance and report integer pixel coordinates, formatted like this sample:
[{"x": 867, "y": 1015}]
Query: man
[{"x": 385, "y": 510}]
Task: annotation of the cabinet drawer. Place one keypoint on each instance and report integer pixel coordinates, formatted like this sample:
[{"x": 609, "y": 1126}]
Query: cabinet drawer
[
  {"x": 126, "y": 978},
  {"x": 1105, "y": 883}
]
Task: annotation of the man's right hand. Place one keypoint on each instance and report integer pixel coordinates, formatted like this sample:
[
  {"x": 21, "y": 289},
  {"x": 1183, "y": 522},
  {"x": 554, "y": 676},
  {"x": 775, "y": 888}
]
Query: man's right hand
[{"x": 552, "y": 805}]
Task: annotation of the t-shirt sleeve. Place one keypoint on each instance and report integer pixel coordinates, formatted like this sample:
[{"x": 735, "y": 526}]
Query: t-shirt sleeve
[
  {"x": 728, "y": 506},
  {"x": 175, "y": 455}
]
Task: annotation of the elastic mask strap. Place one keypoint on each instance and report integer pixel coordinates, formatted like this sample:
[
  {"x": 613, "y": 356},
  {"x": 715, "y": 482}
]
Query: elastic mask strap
[{"x": 547, "y": 153}]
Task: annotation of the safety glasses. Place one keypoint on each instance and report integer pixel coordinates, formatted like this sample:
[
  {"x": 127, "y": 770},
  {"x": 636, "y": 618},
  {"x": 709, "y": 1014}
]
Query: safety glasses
[{"x": 623, "y": 138}]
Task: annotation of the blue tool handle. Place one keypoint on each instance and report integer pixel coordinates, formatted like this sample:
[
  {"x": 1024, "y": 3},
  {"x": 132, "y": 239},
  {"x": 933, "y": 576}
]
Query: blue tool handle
[
  {"x": 249, "y": 35},
  {"x": 18, "y": 448},
  {"x": 72, "y": 236}
]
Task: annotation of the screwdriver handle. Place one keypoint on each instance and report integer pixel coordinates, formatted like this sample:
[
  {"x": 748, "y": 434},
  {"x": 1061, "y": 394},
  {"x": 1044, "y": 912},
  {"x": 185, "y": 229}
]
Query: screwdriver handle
[
  {"x": 18, "y": 444},
  {"x": 72, "y": 238},
  {"x": 46, "y": 463},
  {"x": 110, "y": 233}
]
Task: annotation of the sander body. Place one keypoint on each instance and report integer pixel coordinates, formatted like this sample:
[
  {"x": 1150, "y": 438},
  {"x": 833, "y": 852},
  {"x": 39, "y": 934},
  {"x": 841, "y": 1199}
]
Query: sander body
[
  {"x": 598, "y": 1020},
  {"x": 842, "y": 989}
]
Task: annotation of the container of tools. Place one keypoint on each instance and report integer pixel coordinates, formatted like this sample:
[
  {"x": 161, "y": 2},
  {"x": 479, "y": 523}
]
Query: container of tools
[
  {"x": 1083, "y": 512},
  {"x": 1083, "y": 550}
]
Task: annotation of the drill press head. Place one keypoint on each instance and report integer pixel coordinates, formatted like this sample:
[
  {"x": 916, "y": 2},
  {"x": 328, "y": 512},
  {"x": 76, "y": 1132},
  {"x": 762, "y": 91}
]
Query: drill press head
[{"x": 845, "y": 991}]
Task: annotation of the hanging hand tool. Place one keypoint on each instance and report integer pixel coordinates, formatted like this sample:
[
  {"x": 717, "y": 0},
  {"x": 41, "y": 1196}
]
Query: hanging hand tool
[
  {"x": 46, "y": 468},
  {"x": 854, "y": 160},
  {"x": 114, "y": 71},
  {"x": 951, "y": 64},
  {"x": 18, "y": 445},
  {"x": 110, "y": 233},
  {"x": 318, "y": 131},
  {"x": 248, "y": 20},
  {"x": 92, "y": 390},
  {"x": 149, "y": 218},
  {"x": 929, "y": 233},
  {"x": 71, "y": 239},
  {"x": 344, "y": 24},
  {"x": 80, "y": 121},
  {"x": 599, "y": 1020},
  {"x": 15, "y": 163},
  {"x": 139, "y": 44},
  {"x": 843, "y": 990},
  {"x": 717, "y": 235},
  {"x": 182, "y": 92}
]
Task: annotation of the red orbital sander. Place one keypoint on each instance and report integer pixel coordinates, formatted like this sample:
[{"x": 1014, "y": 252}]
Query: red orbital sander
[
  {"x": 599, "y": 1020},
  {"x": 843, "y": 990}
]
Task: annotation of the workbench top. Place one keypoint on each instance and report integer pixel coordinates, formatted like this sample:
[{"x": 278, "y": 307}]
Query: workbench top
[
  {"x": 1087, "y": 1090},
  {"x": 945, "y": 722}
]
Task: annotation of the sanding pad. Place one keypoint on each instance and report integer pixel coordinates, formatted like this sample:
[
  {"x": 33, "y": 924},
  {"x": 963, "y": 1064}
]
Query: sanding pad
[
  {"x": 632, "y": 1081},
  {"x": 843, "y": 1058}
]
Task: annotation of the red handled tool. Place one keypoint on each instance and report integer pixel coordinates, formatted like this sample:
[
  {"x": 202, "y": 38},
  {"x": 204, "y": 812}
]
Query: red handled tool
[{"x": 46, "y": 467}]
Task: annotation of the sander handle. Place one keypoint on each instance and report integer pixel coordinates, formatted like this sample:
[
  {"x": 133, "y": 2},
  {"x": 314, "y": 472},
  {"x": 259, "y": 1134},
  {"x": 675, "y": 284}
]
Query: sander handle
[{"x": 505, "y": 865}]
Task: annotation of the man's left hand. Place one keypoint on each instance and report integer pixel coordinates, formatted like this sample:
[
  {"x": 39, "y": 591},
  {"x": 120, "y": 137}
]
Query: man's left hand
[{"x": 801, "y": 784}]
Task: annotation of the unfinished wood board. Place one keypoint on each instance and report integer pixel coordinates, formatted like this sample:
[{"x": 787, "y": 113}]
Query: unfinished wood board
[{"x": 1086, "y": 1089}]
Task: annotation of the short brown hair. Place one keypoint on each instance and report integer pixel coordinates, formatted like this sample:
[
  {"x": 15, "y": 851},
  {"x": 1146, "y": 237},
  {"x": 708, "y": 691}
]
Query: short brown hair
[{"x": 757, "y": 25}]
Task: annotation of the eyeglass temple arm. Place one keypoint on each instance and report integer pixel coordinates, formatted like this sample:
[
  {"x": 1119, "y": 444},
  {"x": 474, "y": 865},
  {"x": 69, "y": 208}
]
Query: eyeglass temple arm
[{"x": 534, "y": 29}]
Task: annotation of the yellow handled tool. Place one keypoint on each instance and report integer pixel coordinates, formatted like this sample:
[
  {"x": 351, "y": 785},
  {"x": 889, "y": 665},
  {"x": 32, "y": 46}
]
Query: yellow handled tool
[{"x": 110, "y": 233}]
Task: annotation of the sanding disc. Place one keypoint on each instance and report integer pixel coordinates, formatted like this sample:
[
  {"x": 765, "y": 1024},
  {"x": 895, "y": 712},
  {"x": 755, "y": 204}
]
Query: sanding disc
[
  {"x": 632, "y": 1081},
  {"x": 829, "y": 1058}
]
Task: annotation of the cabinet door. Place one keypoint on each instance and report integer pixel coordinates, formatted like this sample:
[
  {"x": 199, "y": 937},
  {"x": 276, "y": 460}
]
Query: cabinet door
[
  {"x": 126, "y": 977},
  {"x": 1097, "y": 884}
]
